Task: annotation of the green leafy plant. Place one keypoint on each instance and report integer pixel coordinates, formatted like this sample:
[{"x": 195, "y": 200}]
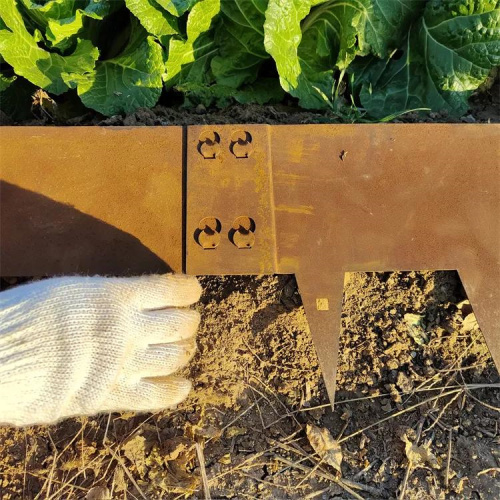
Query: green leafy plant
[{"x": 384, "y": 57}]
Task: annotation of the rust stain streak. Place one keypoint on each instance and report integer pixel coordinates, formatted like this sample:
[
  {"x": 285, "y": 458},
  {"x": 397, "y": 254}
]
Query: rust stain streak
[{"x": 300, "y": 209}]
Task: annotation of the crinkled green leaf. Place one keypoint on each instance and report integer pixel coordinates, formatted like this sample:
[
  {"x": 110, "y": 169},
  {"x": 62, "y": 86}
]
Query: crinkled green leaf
[
  {"x": 282, "y": 36},
  {"x": 156, "y": 20},
  {"x": 189, "y": 60},
  {"x": 177, "y": 7},
  {"x": 449, "y": 52},
  {"x": 264, "y": 91},
  {"x": 214, "y": 50},
  {"x": 62, "y": 20},
  {"x": 240, "y": 40},
  {"x": 41, "y": 11},
  {"x": 60, "y": 32},
  {"x": 308, "y": 45},
  {"x": 44, "y": 69},
  {"x": 128, "y": 81}
]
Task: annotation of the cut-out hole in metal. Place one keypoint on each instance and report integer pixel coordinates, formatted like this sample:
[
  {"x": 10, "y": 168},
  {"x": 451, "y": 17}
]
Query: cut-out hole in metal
[
  {"x": 242, "y": 232},
  {"x": 207, "y": 234},
  {"x": 209, "y": 145},
  {"x": 241, "y": 144}
]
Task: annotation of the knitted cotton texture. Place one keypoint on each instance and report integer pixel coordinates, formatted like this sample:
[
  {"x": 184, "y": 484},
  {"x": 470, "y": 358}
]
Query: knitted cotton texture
[{"x": 84, "y": 345}]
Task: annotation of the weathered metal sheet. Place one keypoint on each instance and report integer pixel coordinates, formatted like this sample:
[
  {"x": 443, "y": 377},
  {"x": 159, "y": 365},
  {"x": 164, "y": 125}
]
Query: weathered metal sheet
[
  {"x": 352, "y": 198},
  {"x": 383, "y": 198},
  {"x": 228, "y": 182},
  {"x": 315, "y": 200},
  {"x": 90, "y": 200}
]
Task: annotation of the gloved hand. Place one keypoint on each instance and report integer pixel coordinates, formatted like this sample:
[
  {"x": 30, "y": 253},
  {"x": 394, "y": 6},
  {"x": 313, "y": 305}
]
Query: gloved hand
[{"x": 84, "y": 345}]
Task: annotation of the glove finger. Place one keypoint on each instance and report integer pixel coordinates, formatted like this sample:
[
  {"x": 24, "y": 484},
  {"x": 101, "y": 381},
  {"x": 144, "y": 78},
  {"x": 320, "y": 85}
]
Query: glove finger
[
  {"x": 169, "y": 290},
  {"x": 151, "y": 394},
  {"x": 161, "y": 360},
  {"x": 164, "y": 326}
]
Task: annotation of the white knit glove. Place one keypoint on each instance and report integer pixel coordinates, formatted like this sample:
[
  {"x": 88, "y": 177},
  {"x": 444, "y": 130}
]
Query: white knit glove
[{"x": 80, "y": 346}]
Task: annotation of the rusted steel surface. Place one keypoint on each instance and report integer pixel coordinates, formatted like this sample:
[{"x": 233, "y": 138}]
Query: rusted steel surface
[
  {"x": 316, "y": 201},
  {"x": 383, "y": 198},
  {"x": 229, "y": 182},
  {"x": 354, "y": 198},
  {"x": 90, "y": 200}
]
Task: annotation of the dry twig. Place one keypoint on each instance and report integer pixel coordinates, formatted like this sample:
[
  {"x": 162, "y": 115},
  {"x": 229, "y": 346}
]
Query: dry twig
[
  {"x": 320, "y": 473},
  {"x": 409, "y": 468},
  {"x": 201, "y": 461},
  {"x": 448, "y": 460}
]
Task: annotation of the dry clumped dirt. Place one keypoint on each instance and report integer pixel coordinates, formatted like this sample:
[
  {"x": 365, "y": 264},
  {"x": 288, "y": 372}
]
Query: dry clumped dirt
[
  {"x": 417, "y": 413},
  {"x": 418, "y": 402}
]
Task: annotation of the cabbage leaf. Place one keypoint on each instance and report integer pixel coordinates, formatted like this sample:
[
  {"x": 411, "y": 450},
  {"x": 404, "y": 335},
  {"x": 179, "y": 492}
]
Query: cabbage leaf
[{"x": 448, "y": 53}]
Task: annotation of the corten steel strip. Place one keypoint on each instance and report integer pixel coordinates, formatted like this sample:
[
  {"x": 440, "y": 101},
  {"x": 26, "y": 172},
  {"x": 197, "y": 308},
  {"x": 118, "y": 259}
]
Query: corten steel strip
[
  {"x": 90, "y": 200},
  {"x": 229, "y": 187},
  {"x": 316, "y": 201},
  {"x": 352, "y": 198},
  {"x": 383, "y": 198}
]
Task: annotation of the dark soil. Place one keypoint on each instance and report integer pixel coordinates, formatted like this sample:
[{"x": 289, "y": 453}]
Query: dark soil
[
  {"x": 257, "y": 385},
  {"x": 413, "y": 369},
  {"x": 484, "y": 108}
]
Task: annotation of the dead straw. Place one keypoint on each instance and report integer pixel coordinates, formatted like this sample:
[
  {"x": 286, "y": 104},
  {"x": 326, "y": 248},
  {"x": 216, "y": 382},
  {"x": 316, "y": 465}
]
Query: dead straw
[
  {"x": 421, "y": 403},
  {"x": 409, "y": 467},
  {"x": 201, "y": 461},
  {"x": 320, "y": 473},
  {"x": 448, "y": 460}
]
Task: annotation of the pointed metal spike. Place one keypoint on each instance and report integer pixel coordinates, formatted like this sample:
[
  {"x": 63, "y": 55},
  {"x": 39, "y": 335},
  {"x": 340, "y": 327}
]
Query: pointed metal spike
[{"x": 323, "y": 306}]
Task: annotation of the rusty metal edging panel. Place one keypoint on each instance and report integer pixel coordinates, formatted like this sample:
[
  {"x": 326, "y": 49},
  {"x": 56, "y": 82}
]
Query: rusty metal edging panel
[
  {"x": 99, "y": 200},
  {"x": 229, "y": 220},
  {"x": 385, "y": 198},
  {"x": 313, "y": 200},
  {"x": 350, "y": 198}
]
